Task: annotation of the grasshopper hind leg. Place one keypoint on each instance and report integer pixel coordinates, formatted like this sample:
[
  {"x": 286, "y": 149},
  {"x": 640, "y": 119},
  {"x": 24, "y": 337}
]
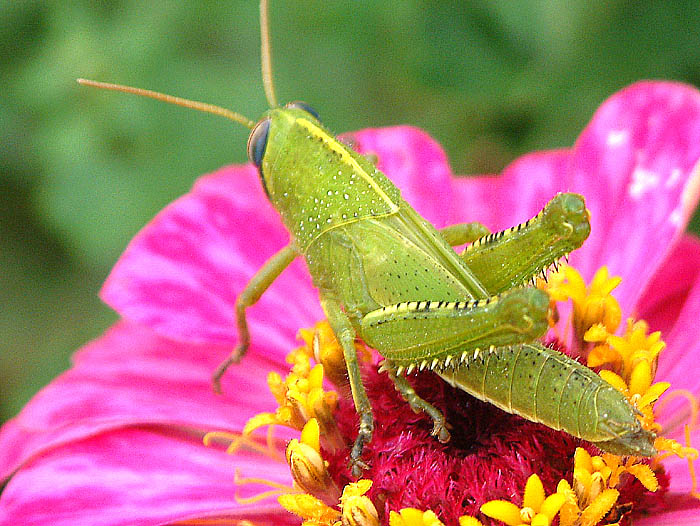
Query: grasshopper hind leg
[{"x": 417, "y": 403}]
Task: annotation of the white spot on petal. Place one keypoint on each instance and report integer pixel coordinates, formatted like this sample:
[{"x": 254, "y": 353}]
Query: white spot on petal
[
  {"x": 674, "y": 178},
  {"x": 642, "y": 181},
  {"x": 676, "y": 218},
  {"x": 617, "y": 137}
]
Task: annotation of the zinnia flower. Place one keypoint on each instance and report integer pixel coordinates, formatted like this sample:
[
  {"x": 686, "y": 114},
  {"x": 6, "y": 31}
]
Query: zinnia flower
[{"x": 118, "y": 439}]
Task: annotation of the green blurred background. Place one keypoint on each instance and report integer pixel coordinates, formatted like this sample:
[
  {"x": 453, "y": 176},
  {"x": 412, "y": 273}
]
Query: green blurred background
[{"x": 82, "y": 170}]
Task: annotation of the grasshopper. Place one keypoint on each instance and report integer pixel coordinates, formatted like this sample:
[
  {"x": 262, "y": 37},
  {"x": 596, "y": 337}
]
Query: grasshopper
[{"x": 387, "y": 276}]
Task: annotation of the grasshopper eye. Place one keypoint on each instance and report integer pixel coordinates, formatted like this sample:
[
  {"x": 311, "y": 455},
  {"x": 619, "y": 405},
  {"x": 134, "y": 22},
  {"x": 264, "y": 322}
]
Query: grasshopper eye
[
  {"x": 257, "y": 142},
  {"x": 303, "y": 106}
]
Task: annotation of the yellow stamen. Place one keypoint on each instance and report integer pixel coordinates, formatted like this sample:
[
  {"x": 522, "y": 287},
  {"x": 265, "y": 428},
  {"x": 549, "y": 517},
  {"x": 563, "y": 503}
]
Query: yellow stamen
[
  {"x": 235, "y": 442},
  {"x": 355, "y": 508},
  {"x": 467, "y": 520},
  {"x": 277, "y": 488},
  {"x": 414, "y": 517},
  {"x": 308, "y": 469},
  {"x": 503, "y": 511},
  {"x": 599, "y": 508},
  {"x": 592, "y": 305},
  {"x": 358, "y": 510},
  {"x": 534, "y": 494},
  {"x": 694, "y": 408},
  {"x": 645, "y": 475},
  {"x": 322, "y": 346},
  {"x": 536, "y": 511},
  {"x": 691, "y": 466},
  {"x": 301, "y": 397},
  {"x": 309, "y": 508},
  {"x": 570, "y": 512},
  {"x": 635, "y": 346},
  {"x": 593, "y": 494}
]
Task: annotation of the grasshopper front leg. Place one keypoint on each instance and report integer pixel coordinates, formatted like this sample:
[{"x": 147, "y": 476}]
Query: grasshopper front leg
[
  {"x": 258, "y": 284},
  {"x": 344, "y": 332}
]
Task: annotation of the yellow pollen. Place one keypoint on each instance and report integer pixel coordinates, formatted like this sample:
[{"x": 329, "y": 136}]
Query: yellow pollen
[
  {"x": 358, "y": 510},
  {"x": 629, "y": 364},
  {"x": 526, "y": 515},
  {"x": 599, "y": 508}
]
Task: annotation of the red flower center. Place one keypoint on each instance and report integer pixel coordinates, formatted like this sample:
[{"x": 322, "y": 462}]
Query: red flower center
[{"x": 490, "y": 456}]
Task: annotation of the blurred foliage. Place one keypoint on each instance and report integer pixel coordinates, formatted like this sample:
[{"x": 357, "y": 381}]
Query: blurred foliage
[{"x": 83, "y": 170}]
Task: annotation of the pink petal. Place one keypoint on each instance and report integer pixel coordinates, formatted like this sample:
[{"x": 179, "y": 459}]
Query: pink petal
[
  {"x": 685, "y": 512},
  {"x": 523, "y": 189},
  {"x": 636, "y": 165},
  {"x": 679, "y": 363},
  {"x": 135, "y": 477},
  {"x": 132, "y": 376},
  {"x": 668, "y": 291},
  {"x": 415, "y": 163},
  {"x": 181, "y": 274}
]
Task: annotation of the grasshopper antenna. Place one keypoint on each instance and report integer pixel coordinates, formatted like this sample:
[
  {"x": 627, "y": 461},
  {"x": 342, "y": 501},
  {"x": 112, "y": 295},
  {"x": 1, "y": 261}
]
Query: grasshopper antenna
[
  {"x": 170, "y": 99},
  {"x": 266, "y": 56}
]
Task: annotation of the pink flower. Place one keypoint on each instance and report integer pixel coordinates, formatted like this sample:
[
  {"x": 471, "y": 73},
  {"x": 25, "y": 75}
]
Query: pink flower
[{"x": 118, "y": 438}]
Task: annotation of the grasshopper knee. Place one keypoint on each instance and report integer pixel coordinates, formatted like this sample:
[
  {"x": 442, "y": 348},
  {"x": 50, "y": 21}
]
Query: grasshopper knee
[{"x": 525, "y": 310}]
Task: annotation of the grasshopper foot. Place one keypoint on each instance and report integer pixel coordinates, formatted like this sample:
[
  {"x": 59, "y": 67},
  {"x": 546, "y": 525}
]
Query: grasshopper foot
[
  {"x": 364, "y": 436},
  {"x": 234, "y": 357},
  {"x": 440, "y": 429}
]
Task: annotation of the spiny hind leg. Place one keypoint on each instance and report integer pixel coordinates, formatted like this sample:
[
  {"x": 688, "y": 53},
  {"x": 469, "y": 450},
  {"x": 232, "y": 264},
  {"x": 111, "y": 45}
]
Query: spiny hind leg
[
  {"x": 425, "y": 334},
  {"x": 512, "y": 257},
  {"x": 417, "y": 403},
  {"x": 344, "y": 332},
  {"x": 258, "y": 284}
]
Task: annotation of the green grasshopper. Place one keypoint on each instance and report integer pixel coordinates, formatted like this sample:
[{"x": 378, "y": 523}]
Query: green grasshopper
[{"x": 387, "y": 276}]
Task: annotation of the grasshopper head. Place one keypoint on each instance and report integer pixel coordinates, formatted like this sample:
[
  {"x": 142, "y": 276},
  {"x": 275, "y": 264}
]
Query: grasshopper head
[
  {"x": 617, "y": 429},
  {"x": 265, "y": 132},
  {"x": 629, "y": 439}
]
